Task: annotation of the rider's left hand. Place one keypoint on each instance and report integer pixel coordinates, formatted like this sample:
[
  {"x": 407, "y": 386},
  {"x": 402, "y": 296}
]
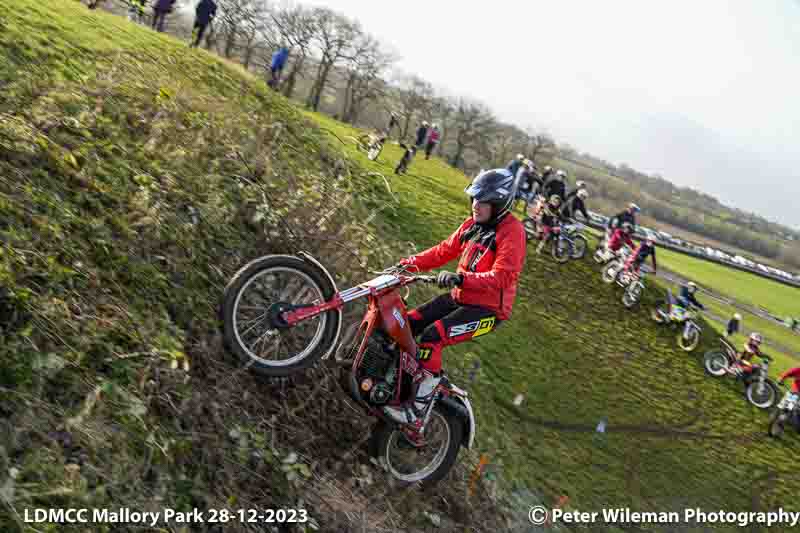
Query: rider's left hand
[{"x": 447, "y": 280}]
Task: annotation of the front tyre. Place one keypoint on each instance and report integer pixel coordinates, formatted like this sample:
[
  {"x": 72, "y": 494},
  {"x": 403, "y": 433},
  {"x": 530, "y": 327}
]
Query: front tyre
[
  {"x": 426, "y": 465},
  {"x": 253, "y": 299},
  {"x": 633, "y": 294},
  {"x": 763, "y": 395}
]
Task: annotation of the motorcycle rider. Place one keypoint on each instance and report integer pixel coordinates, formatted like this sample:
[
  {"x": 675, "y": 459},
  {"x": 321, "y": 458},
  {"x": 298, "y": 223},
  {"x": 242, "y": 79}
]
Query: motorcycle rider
[
  {"x": 629, "y": 215},
  {"x": 639, "y": 256},
  {"x": 574, "y": 204},
  {"x": 551, "y": 218},
  {"x": 687, "y": 297},
  {"x": 742, "y": 364},
  {"x": 579, "y": 186},
  {"x": 515, "y": 164},
  {"x": 555, "y": 185},
  {"x": 490, "y": 248},
  {"x": 621, "y": 236},
  {"x": 529, "y": 182}
]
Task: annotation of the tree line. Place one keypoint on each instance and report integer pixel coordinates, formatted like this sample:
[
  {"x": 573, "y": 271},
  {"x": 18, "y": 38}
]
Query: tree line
[{"x": 338, "y": 67}]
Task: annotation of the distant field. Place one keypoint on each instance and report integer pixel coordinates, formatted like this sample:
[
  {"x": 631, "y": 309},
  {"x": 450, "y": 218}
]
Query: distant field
[{"x": 779, "y": 299}]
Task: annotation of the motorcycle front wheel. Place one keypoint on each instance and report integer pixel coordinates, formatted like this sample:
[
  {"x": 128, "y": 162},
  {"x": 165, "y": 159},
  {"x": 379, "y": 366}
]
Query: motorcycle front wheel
[
  {"x": 579, "y": 247},
  {"x": 633, "y": 294},
  {"x": 427, "y": 465},
  {"x": 561, "y": 250},
  {"x": 251, "y": 306}
]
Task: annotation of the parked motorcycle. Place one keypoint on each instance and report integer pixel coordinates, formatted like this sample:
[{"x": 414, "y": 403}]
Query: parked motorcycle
[
  {"x": 668, "y": 312},
  {"x": 760, "y": 389},
  {"x": 786, "y": 412},
  {"x": 299, "y": 308}
]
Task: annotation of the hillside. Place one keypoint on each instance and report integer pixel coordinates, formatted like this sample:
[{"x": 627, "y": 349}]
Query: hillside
[{"x": 136, "y": 176}]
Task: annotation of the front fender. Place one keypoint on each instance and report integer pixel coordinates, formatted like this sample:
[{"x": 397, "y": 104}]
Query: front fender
[
  {"x": 305, "y": 256},
  {"x": 462, "y": 407}
]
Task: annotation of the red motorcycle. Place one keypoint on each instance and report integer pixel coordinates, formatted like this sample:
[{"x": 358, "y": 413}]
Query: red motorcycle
[{"x": 281, "y": 305}]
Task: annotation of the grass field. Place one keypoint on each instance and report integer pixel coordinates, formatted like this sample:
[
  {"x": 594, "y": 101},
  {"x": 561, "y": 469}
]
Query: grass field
[{"x": 109, "y": 132}]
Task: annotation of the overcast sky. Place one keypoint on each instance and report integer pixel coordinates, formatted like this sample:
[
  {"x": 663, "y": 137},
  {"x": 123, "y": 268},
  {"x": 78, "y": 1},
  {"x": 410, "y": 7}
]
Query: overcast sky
[{"x": 703, "y": 92}]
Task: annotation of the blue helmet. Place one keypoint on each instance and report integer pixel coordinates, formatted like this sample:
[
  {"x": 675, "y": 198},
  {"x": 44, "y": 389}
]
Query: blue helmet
[{"x": 496, "y": 187}]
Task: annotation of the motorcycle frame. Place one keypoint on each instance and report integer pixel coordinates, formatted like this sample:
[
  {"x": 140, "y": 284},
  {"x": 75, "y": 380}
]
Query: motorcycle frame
[{"x": 380, "y": 297}]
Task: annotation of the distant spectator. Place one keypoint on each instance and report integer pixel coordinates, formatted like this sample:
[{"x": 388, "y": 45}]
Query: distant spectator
[
  {"x": 422, "y": 133},
  {"x": 433, "y": 140},
  {"x": 276, "y": 67},
  {"x": 160, "y": 11},
  {"x": 93, "y": 4},
  {"x": 393, "y": 121},
  {"x": 204, "y": 14},
  {"x": 733, "y": 325},
  {"x": 136, "y": 10}
]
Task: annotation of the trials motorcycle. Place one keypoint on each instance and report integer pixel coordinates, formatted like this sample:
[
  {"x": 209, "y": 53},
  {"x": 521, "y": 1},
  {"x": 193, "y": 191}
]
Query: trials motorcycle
[{"x": 283, "y": 313}]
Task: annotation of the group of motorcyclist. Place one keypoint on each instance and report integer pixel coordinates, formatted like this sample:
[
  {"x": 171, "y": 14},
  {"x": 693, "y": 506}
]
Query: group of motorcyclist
[{"x": 490, "y": 248}]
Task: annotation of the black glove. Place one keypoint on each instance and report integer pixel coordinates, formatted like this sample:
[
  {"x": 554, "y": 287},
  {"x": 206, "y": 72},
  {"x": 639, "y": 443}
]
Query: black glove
[{"x": 447, "y": 280}]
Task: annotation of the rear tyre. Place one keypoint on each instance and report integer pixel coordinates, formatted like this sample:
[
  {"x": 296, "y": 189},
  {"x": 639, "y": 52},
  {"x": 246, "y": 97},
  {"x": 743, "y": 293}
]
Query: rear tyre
[
  {"x": 633, "y": 293},
  {"x": 690, "y": 343},
  {"x": 762, "y": 397},
  {"x": 715, "y": 363},
  {"x": 390, "y": 446},
  {"x": 610, "y": 271},
  {"x": 579, "y": 247},
  {"x": 777, "y": 424}
]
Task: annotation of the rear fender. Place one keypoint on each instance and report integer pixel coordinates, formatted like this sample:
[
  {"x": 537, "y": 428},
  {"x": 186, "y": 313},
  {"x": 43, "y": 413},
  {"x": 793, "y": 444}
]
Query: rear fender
[{"x": 461, "y": 407}]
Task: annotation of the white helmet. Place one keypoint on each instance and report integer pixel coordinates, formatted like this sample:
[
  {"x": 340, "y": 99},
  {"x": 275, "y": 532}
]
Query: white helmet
[
  {"x": 692, "y": 286},
  {"x": 580, "y": 184},
  {"x": 737, "y": 316},
  {"x": 424, "y": 122},
  {"x": 560, "y": 173},
  {"x": 435, "y": 126},
  {"x": 756, "y": 338},
  {"x": 520, "y": 157},
  {"x": 583, "y": 194}
]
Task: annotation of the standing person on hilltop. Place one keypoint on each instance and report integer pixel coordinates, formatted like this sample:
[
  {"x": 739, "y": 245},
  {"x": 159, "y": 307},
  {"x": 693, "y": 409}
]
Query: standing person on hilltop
[
  {"x": 276, "y": 67},
  {"x": 433, "y": 140},
  {"x": 422, "y": 133},
  {"x": 160, "y": 11},
  {"x": 204, "y": 13}
]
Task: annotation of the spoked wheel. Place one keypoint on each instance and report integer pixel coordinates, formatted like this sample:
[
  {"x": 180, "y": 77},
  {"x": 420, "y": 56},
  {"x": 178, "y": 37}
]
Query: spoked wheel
[
  {"x": 561, "y": 250},
  {"x": 253, "y": 302},
  {"x": 579, "y": 246},
  {"x": 427, "y": 464},
  {"x": 632, "y": 294},
  {"x": 715, "y": 364},
  {"x": 777, "y": 423},
  {"x": 610, "y": 271},
  {"x": 374, "y": 152},
  {"x": 530, "y": 229},
  {"x": 690, "y": 340},
  {"x": 761, "y": 395}
]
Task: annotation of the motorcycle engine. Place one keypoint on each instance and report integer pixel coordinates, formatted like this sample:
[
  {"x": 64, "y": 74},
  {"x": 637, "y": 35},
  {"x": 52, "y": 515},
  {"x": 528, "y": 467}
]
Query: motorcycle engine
[{"x": 378, "y": 365}]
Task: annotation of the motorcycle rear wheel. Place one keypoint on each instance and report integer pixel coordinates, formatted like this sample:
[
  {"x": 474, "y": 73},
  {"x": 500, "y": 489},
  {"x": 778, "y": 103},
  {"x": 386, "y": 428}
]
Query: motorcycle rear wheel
[
  {"x": 777, "y": 422},
  {"x": 633, "y": 293},
  {"x": 610, "y": 271},
  {"x": 579, "y": 247},
  {"x": 715, "y": 363},
  {"x": 763, "y": 399},
  {"x": 387, "y": 442},
  {"x": 691, "y": 343}
]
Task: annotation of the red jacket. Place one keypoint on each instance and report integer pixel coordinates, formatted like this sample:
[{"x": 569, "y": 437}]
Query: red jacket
[
  {"x": 793, "y": 373},
  {"x": 491, "y": 259},
  {"x": 618, "y": 239}
]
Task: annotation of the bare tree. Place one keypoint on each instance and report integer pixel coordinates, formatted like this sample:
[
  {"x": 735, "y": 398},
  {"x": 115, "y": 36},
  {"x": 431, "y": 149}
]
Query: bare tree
[
  {"x": 472, "y": 122},
  {"x": 334, "y": 35},
  {"x": 295, "y": 25},
  {"x": 236, "y": 20},
  {"x": 364, "y": 76},
  {"x": 538, "y": 143},
  {"x": 415, "y": 95}
]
